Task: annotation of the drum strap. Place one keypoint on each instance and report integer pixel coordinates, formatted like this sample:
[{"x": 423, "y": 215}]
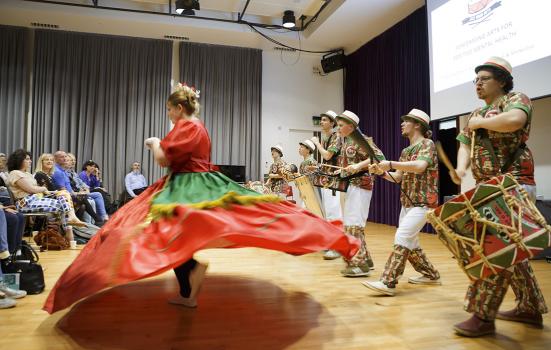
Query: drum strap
[
  {"x": 326, "y": 144},
  {"x": 484, "y": 139}
]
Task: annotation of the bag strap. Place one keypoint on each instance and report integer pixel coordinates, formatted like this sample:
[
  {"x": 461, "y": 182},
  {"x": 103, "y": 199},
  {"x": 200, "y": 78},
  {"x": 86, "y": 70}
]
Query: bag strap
[
  {"x": 484, "y": 139},
  {"x": 33, "y": 252},
  {"x": 27, "y": 247}
]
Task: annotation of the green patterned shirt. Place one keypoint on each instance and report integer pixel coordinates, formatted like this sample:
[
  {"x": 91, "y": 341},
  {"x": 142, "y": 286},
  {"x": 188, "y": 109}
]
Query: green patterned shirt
[
  {"x": 350, "y": 153},
  {"x": 309, "y": 161},
  {"x": 422, "y": 188},
  {"x": 483, "y": 164}
]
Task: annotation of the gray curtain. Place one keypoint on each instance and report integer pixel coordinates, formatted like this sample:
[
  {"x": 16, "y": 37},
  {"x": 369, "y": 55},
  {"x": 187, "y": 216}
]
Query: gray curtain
[
  {"x": 99, "y": 97},
  {"x": 13, "y": 86},
  {"x": 230, "y": 80}
]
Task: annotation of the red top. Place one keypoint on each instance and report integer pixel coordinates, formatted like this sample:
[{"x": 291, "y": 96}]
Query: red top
[{"x": 187, "y": 147}]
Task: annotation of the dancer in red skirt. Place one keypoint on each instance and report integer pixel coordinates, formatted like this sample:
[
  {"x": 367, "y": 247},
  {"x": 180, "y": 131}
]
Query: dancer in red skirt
[{"x": 192, "y": 208}]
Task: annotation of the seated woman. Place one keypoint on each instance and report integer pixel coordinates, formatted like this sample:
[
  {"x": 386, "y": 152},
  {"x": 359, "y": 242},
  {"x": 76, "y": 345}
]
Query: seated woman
[
  {"x": 32, "y": 198},
  {"x": 43, "y": 176},
  {"x": 91, "y": 176}
]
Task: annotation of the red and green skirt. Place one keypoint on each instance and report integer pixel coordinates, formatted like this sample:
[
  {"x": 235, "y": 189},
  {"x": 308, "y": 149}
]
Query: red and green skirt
[{"x": 182, "y": 214}]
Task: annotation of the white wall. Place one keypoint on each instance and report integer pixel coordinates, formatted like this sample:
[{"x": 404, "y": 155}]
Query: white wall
[
  {"x": 291, "y": 95},
  {"x": 540, "y": 144}
]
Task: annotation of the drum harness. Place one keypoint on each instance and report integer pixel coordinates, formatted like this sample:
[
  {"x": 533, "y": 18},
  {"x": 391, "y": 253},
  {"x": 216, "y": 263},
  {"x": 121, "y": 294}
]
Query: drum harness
[{"x": 484, "y": 139}]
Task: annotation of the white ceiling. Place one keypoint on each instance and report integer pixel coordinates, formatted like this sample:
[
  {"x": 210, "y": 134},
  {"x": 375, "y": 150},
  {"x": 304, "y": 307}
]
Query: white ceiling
[
  {"x": 270, "y": 8},
  {"x": 344, "y": 24}
]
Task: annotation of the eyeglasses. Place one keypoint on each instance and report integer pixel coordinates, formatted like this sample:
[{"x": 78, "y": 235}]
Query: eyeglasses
[{"x": 482, "y": 80}]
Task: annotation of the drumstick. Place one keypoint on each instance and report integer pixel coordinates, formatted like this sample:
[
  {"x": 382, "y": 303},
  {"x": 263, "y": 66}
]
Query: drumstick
[
  {"x": 332, "y": 166},
  {"x": 444, "y": 159},
  {"x": 473, "y": 135}
]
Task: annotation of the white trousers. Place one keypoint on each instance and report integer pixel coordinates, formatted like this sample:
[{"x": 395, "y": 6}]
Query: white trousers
[
  {"x": 331, "y": 204},
  {"x": 356, "y": 206},
  {"x": 532, "y": 192},
  {"x": 411, "y": 222}
]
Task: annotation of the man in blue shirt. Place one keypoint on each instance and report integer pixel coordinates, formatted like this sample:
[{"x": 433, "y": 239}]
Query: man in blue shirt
[{"x": 62, "y": 181}]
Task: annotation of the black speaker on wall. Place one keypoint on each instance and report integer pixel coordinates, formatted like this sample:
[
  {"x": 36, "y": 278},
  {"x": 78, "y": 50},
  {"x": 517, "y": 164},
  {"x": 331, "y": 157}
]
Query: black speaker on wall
[{"x": 333, "y": 61}]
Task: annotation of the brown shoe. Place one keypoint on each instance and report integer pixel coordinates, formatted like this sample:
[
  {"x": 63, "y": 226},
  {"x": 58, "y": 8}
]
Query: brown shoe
[
  {"x": 475, "y": 327},
  {"x": 518, "y": 316}
]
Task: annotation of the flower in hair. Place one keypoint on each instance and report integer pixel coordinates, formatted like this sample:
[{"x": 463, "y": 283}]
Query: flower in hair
[{"x": 181, "y": 86}]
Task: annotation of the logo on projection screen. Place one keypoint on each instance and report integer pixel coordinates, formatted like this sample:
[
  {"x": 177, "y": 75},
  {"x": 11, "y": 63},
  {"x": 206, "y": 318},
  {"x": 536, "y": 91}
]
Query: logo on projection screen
[{"x": 480, "y": 11}]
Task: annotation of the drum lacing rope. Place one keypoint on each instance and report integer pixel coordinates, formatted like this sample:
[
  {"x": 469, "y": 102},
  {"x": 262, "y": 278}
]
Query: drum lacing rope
[
  {"x": 534, "y": 210},
  {"x": 476, "y": 217},
  {"x": 443, "y": 230},
  {"x": 513, "y": 203},
  {"x": 480, "y": 251}
]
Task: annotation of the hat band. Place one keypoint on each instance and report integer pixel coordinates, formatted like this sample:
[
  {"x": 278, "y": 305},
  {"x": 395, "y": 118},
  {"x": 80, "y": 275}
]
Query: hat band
[
  {"x": 497, "y": 66},
  {"x": 419, "y": 119}
]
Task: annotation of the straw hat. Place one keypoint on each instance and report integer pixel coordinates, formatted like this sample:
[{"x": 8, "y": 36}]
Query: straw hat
[
  {"x": 418, "y": 115},
  {"x": 308, "y": 144},
  {"x": 329, "y": 114},
  {"x": 277, "y": 148},
  {"x": 349, "y": 117},
  {"x": 496, "y": 62}
]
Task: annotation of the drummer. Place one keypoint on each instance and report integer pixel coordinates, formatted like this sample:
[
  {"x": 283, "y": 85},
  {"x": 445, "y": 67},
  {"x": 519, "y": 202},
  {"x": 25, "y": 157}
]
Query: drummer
[
  {"x": 329, "y": 151},
  {"x": 501, "y": 129},
  {"x": 306, "y": 150},
  {"x": 417, "y": 173},
  {"x": 358, "y": 196},
  {"x": 276, "y": 178}
]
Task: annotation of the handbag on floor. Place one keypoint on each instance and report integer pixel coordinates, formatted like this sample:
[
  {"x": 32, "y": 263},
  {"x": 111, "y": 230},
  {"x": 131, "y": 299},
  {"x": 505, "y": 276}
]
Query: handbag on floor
[
  {"x": 31, "y": 275},
  {"x": 51, "y": 239}
]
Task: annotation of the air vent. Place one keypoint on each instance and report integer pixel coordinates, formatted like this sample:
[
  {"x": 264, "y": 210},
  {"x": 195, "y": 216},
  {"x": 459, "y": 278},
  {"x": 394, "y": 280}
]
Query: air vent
[
  {"x": 281, "y": 48},
  {"x": 44, "y": 25},
  {"x": 175, "y": 37}
]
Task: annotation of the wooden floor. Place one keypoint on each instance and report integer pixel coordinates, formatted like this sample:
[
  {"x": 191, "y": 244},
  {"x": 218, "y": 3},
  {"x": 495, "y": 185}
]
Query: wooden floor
[{"x": 258, "y": 299}]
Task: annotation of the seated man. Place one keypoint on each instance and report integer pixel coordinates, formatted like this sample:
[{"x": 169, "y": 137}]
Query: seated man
[
  {"x": 134, "y": 181},
  {"x": 62, "y": 180}
]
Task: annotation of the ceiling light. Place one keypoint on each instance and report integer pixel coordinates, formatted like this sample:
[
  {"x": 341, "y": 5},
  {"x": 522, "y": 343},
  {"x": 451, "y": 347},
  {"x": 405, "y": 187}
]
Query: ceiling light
[
  {"x": 186, "y": 7},
  {"x": 289, "y": 19}
]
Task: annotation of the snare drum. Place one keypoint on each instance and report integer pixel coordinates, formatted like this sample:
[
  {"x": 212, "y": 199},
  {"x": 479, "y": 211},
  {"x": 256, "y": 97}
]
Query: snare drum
[
  {"x": 309, "y": 195},
  {"x": 259, "y": 187},
  {"x": 325, "y": 179},
  {"x": 491, "y": 227}
]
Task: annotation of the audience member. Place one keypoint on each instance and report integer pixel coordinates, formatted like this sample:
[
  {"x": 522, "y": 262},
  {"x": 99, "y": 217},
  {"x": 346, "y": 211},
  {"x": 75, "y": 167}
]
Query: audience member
[
  {"x": 43, "y": 175},
  {"x": 31, "y": 198},
  {"x": 134, "y": 181},
  {"x": 91, "y": 175},
  {"x": 62, "y": 180},
  {"x": 3, "y": 168},
  {"x": 7, "y": 295}
]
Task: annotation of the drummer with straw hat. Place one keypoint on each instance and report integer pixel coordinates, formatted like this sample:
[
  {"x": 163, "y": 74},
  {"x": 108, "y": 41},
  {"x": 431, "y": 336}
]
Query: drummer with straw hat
[
  {"x": 353, "y": 159},
  {"x": 494, "y": 143}
]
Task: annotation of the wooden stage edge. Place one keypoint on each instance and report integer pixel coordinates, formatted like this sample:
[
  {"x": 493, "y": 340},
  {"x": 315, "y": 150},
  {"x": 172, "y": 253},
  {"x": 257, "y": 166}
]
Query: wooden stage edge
[{"x": 259, "y": 299}]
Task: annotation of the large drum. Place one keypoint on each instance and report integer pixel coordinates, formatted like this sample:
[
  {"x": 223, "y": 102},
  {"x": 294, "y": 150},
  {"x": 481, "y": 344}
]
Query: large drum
[
  {"x": 325, "y": 179},
  {"x": 491, "y": 227},
  {"x": 309, "y": 195}
]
